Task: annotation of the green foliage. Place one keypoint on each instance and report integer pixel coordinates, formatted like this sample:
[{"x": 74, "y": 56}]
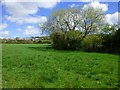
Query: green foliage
[
  {"x": 92, "y": 42},
  {"x": 62, "y": 24},
  {"x": 74, "y": 39},
  {"x": 102, "y": 42},
  {"x": 46, "y": 41},
  {"x": 111, "y": 42},
  {"x": 67, "y": 41},
  {"x": 85, "y": 19},
  {"x": 110, "y": 28},
  {"x": 42, "y": 41},
  {"x": 39, "y": 66},
  {"x": 59, "y": 41}
]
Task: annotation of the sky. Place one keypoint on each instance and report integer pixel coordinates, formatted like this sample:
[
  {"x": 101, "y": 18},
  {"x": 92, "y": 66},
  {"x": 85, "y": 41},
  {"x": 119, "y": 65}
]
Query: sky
[{"x": 22, "y": 18}]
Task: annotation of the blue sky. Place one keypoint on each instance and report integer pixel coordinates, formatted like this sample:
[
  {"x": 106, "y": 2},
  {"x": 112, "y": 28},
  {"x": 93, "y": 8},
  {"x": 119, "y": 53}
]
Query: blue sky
[{"x": 21, "y": 19}]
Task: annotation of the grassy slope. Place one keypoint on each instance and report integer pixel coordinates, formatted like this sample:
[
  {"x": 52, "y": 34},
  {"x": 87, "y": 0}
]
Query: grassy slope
[{"x": 37, "y": 66}]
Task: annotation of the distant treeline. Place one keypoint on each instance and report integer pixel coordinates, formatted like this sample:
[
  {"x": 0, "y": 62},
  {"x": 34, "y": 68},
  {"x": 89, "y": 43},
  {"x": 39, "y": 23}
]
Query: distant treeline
[{"x": 30, "y": 40}]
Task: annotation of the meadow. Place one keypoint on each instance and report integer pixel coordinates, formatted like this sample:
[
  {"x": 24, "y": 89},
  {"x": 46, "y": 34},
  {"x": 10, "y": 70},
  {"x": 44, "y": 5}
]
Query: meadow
[{"x": 40, "y": 66}]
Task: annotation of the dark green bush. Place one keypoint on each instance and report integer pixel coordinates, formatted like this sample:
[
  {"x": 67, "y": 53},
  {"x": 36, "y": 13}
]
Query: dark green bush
[
  {"x": 111, "y": 42},
  {"x": 102, "y": 42},
  {"x": 92, "y": 42},
  {"x": 66, "y": 41},
  {"x": 59, "y": 41},
  {"x": 74, "y": 39}
]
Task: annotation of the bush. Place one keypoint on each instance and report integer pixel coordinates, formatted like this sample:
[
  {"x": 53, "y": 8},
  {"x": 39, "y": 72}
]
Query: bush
[
  {"x": 111, "y": 42},
  {"x": 92, "y": 42},
  {"x": 74, "y": 39},
  {"x": 102, "y": 42},
  {"x": 59, "y": 41},
  {"x": 66, "y": 41}
]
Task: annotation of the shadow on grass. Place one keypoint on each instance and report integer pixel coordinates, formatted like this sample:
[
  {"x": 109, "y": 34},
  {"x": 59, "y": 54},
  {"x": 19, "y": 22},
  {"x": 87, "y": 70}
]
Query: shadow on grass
[
  {"x": 50, "y": 48},
  {"x": 104, "y": 52},
  {"x": 42, "y": 48}
]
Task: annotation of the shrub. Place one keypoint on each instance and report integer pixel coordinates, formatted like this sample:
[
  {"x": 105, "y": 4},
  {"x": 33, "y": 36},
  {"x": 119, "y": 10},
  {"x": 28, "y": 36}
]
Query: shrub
[
  {"x": 74, "y": 39},
  {"x": 66, "y": 41},
  {"x": 111, "y": 42},
  {"x": 59, "y": 41},
  {"x": 92, "y": 42},
  {"x": 102, "y": 42}
]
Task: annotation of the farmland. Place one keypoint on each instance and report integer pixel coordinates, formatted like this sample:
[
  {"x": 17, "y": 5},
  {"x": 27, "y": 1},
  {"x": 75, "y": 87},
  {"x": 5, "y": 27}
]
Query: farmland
[{"x": 40, "y": 66}]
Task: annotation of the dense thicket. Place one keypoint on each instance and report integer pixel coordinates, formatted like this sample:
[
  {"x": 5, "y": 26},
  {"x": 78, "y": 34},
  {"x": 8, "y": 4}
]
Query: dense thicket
[
  {"x": 66, "y": 41},
  {"x": 111, "y": 42},
  {"x": 102, "y": 42}
]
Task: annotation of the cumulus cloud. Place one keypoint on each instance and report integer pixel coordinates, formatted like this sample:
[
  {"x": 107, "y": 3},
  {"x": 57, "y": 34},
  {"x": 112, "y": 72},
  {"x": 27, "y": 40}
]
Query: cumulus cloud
[
  {"x": 96, "y": 4},
  {"x": 113, "y": 18},
  {"x": 30, "y": 0},
  {"x": 31, "y": 30},
  {"x": 110, "y": 18},
  {"x": 60, "y": 0},
  {"x": 3, "y": 32},
  {"x": 22, "y": 12},
  {"x": 3, "y": 26},
  {"x": 19, "y": 30},
  {"x": 28, "y": 19},
  {"x": 91, "y": 0},
  {"x": 88, "y": 0},
  {"x": 74, "y": 5}
]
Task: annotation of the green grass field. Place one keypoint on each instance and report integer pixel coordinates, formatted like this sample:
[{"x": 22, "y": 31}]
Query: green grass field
[{"x": 39, "y": 66}]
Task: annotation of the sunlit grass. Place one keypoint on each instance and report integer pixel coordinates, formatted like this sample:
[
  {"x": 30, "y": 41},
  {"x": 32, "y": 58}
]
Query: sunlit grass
[{"x": 39, "y": 66}]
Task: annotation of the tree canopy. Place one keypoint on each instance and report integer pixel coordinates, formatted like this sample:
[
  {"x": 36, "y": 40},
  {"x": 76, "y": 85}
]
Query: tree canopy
[
  {"x": 69, "y": 27},
  {"x": 84, "y": 19}
]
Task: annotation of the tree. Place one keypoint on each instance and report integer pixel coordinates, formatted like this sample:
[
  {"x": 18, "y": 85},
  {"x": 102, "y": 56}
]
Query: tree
[
  {"x": 93, "y": 20},
  {"x": 86, "y": 20},
  {"x": 62, "y": 20},
  {"x": 109, "y": 29}
]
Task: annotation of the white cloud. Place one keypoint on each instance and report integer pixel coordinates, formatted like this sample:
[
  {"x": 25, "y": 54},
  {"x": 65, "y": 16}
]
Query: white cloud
[
  {"x": 22, "y": 12},
  {"x": 3, "y": 26},
  {"x": 4, "y": 33},
  {"x": 31, "y": 30},
  {"x": 26, "y": 8},
  {"x": 96, "y": 4},
  {"x": 74, "y": 5},
  {"x": 112, "y": 18},
  {"x": 30, "y": 0},
  {"x": 89, "y": 0},
  {"x": 27, "y": 19},
  {"x": 99, "y": 0},
  {"x": 19, "y": 30}
]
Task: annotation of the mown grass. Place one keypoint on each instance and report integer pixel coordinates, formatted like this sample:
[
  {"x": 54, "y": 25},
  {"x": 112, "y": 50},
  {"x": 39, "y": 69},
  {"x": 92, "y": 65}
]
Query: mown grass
[{"x": 39, "y": 66}]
